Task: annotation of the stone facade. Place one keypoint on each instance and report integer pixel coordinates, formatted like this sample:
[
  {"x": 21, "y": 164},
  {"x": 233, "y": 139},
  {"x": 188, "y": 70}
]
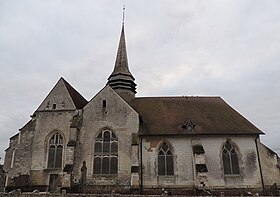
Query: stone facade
[
  {"x": 118, "y": 117},
  {"x": 185, "y": 174},
  {"x": 119, "y": 142},
  {"x": 2, "y": 178},
  {"x": 269, "y": 165}
]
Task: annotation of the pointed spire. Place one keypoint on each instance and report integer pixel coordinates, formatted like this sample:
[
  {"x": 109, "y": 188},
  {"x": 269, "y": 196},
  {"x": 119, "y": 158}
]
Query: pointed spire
[
  {"x": 121, "y": 64},
  {"x": 121, "y": 80}
]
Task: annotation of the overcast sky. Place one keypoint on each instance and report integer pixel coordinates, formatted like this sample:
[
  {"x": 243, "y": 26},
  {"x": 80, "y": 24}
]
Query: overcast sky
[{"x": 225, "y": 48}]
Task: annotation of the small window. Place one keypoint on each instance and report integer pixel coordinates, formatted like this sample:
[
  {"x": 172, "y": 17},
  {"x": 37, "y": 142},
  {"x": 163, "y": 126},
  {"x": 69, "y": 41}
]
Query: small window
[
  {"x": 165, "y": 160},
  {"x": 104, "y": 103},
  {"x": 230, "y": 159},
  {"x": 54, "y": 106}
]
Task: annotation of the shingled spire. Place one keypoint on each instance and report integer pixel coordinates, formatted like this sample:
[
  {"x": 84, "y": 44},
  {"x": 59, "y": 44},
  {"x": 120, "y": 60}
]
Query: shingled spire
[{"x": 121, "y": 80}]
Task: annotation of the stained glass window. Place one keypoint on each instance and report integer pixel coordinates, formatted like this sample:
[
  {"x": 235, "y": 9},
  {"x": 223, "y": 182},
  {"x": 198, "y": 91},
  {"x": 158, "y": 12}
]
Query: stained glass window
[
  {"x": 165, "y": 160},
  {"x": 106, "y": 153},
  {"x": 55, "y": 151},
  {"x": 230, "y": 159}
]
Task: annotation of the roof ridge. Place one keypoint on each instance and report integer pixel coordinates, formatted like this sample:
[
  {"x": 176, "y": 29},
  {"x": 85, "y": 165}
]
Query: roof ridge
[{"x": 148, "y": 97}]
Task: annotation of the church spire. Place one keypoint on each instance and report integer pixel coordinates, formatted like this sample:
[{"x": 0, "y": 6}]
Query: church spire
[{"x": 121, "y": 80}]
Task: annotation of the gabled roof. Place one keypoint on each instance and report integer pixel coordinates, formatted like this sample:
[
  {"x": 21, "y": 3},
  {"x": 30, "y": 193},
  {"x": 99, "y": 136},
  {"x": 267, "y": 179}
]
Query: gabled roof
[
  {"x": 65, "y": 95},
  {"x": 77, "y": 98},
  {"x": 208, "y": 115}
]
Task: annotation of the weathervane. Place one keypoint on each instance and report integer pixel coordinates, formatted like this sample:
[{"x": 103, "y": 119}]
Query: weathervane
[{"x": 123, "y": 13}]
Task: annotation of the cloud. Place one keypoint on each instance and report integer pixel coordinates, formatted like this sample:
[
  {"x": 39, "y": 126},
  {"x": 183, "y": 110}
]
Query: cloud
[{"x": 177, "y": 47}]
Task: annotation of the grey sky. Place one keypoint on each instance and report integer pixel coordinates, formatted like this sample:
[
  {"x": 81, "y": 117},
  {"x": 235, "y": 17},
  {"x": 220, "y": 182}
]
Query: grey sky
[{"x": 225, "y": 48}]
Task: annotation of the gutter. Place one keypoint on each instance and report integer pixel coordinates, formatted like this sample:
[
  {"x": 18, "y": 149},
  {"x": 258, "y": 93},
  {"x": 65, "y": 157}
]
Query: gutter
[{"x": 141, "y": 167}]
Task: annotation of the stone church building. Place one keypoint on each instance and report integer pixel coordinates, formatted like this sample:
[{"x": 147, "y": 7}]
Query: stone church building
[{"x": 117, "y": 141}]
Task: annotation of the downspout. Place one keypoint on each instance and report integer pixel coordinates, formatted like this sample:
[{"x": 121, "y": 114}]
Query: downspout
[
  {"x": 260, "y": 166},
  {"x": 141, "y": 167}
]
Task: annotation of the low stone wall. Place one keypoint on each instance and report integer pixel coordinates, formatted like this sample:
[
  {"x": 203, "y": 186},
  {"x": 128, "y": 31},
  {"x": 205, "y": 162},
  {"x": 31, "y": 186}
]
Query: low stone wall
[{"x": 36, "y": 193}]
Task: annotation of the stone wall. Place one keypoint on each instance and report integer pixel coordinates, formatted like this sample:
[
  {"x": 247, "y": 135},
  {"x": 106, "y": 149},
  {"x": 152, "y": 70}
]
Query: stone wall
[
  {"x": 269, "y": 165},
  {"x": 36, "y": 193},
  {"x": 117, "y": 116},
  {"x": 18, "y": 156},
  {"x": 48, "y": 123},
  {"x": 184, "y": 168},
  {"x": 183, "y": 164},
  {"x": 2, "y": 178}
]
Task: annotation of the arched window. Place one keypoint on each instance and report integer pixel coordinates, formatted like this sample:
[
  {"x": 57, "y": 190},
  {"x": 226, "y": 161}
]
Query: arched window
[
  {"x": 165, "y": 160},
  {"x": 55, "y": 151},
  {"x": 230, "y": 159},
  {"x": 106, "y": 153}
]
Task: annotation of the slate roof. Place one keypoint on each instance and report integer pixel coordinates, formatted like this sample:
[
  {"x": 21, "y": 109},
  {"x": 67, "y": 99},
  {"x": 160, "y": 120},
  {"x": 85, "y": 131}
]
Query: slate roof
[
  {"x": 121, "y": 78},
  {"x": 209, "y": 115},
  {"x": 121, "y": 63},
  {"x": 78, "y": 100}
]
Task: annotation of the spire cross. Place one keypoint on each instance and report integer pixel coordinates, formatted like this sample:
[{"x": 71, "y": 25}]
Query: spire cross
[{"x": 123, "y": 13}]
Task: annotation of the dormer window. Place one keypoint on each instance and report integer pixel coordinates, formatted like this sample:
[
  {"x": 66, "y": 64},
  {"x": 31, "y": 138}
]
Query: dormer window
[{"x": 189, "y": 125}]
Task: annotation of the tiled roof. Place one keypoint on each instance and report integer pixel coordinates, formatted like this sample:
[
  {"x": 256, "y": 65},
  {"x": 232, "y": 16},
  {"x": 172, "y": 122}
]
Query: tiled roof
[{"x": 207, "y": 115}]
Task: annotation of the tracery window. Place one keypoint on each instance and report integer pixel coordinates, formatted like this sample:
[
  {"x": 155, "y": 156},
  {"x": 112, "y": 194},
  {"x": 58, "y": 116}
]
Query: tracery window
[
  {"x": 230, "y": 159},
  {"x": 165, "y": 160},
  {"x": 55, "y": 151},
  {"x": 106, "y": 153}
]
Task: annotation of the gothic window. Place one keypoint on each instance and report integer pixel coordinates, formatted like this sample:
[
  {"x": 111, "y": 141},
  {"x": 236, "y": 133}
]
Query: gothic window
[
  {"x": 55, "y": 151},
  {"x": 106, "y": 153},
  {"x": 165, "y": 160},
  {"x": 230, "y": 159}
]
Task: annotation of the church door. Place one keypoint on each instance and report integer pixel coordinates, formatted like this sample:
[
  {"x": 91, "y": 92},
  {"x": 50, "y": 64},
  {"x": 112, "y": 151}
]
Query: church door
[{"x": 53, "y": 182}]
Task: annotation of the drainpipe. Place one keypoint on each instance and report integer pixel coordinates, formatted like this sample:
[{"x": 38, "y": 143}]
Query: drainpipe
[
  {"x": 141, "y": 166},
  {"x": 260, "y": 166}
]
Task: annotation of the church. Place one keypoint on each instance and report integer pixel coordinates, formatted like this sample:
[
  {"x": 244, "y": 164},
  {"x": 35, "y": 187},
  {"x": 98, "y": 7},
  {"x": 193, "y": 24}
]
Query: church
[{"x": 117, "y": 141}]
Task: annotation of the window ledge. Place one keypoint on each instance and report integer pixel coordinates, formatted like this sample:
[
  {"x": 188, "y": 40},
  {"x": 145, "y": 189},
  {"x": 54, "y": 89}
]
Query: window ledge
[
  {"x": 53, "y": 169},
  {"x": 232, "y": 175},
  {"x": 166, "y": 176},
  {"x": 104, "y": 175}
]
